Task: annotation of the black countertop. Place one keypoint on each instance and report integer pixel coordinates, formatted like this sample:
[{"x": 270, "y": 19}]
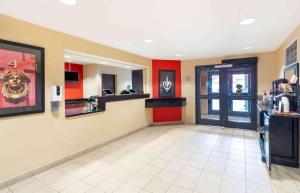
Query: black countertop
[
  {"x": 165, "y": 102},
  {"x": 76, "y": 107},
  {"x": 268, "y": 109}
]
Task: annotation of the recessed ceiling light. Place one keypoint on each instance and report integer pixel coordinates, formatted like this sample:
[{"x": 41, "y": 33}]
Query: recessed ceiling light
[
  {"x": 103, "y": 62},
  {"x": 67, "y": 56},
  {"x": 148, "y": 41},
  {"x": 69, "y": 2},
  {"x": 247, "y": 21},
  {"x": 178, "y": 55},
  {"x": 247, "y": 48}
]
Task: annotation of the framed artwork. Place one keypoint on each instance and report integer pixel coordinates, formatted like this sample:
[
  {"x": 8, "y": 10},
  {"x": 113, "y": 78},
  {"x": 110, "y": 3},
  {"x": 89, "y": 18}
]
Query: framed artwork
[
  {"x": 167, "y": 83},
  {"x": 22, "y": 89}
]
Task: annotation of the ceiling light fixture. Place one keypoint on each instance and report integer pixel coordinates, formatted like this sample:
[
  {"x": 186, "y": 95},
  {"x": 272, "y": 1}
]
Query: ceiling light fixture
[
  {"x": 67, "y": 56},
  {"x": 103, "y": 62},
  {"x": 148, "y": 41},
  {"x": 247, "y": 48},
  {"x": 247, "y": 21},
  {"x": 178, "y": 55},
  {"x": 69, "y": 2}
]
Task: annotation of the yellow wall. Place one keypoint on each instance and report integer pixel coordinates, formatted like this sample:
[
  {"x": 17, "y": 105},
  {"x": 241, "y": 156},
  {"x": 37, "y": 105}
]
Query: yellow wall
[
  {"x": 295, "y": 35},
  {"x": 28, "y": 142},
  {"x": 266, "y": 72}
]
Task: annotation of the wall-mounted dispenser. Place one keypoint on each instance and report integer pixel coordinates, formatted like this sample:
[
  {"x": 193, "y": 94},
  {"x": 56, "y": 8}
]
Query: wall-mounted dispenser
[{"x": 56, "y": 93}]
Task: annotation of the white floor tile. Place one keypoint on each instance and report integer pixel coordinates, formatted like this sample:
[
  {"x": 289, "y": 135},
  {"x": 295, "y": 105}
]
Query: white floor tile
[
  {"x": 5, "y": 190},
  {"x": 206, "y": 187},
  {"x": 139, "y": 180},
  {"x": 192, "y": 172},
  {"x": 233, "y": 184},
  {"x": 258, "y": 188},
  {"x": 94, "y": 178},
  {"x": 78, "y": 188},
  {"x": 186, "y": 182},
  {"x": 33, "y": 186},
  {"x": 169, "y": 159},
  {"x": 178, "y": 189},
  {"x": 128, "y": 188},
  {"x": 109, "y": 185},
  {"x": 167, "y": 176},
  {"x": 63, "y": 184},
  {"x": 94, "y": 190},
  {"x": 157, "y": 186},
  {"x": 211, "y": 177}
]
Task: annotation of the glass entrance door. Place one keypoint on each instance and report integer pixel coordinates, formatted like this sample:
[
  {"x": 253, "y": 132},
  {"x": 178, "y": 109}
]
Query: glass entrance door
[
  {"x": 208, "y": 95},
  {"x": 226, "y": 94}
]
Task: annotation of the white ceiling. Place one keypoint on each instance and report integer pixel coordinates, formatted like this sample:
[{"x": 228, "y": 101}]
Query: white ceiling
[
  {"x": 85, "y": 59},
  {"x": 192, "y": 28}
]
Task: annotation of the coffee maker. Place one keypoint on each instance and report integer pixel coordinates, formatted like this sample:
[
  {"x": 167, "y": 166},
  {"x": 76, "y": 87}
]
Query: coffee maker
[{"x": 278, "y": 92}]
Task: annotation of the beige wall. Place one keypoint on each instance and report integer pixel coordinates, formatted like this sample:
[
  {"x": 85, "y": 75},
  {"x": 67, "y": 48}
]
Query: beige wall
[
  {"x": 123, "y": 77},
  {"x": 91, "y": 85},
  {"x": 28, "y": 142},
  {"x": 266, "y": 70},
  {"x": 295, "y": 35},
  {"x": 92, "y": 78}
]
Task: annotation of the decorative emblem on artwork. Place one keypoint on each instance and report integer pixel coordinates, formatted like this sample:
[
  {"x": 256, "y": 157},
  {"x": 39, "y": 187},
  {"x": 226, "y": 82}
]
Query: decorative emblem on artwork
[
  {"x": 15, "y": 86},
  {"x": 13, "y": 63},
  {"x": 167, "y": 84}
]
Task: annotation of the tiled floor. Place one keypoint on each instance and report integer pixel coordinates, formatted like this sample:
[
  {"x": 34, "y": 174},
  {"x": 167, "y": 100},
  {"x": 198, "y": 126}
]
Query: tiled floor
[{"x": 169, "y": 159}]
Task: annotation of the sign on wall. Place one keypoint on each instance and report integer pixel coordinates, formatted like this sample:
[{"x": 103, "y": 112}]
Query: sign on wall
[
  {"x": 166, "y": 83},
  {"x": 21, "y": 79}
]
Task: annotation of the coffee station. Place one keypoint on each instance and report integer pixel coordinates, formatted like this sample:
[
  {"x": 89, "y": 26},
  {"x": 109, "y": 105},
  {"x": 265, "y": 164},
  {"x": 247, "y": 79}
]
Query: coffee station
[{"x": 279, "y": 115}]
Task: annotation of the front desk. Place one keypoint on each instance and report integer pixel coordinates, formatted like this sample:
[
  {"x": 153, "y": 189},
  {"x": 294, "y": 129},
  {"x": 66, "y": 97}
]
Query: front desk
[
  {"x": 78, "y": 107},
  {"x": 165, "y": 102}
]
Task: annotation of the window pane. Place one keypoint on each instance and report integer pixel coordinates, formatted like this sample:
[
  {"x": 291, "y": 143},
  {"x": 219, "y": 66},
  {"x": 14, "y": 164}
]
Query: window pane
[
  {"x": 203, "y": 83},
  {"x": 209, "y": 109},
  {"x": 239, "y": 111},
  {"x": 209, "y": 82},
  {"x": 215, "y": 105},
  {"x": 240, "y": 83},
  {"x": 240, "y": 105},
  {"x": 215, "y": 83}
]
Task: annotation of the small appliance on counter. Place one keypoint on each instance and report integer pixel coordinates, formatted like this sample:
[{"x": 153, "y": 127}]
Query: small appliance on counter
[
  {"x": 285, "y": 96},
  {"x": 284, "y": 105}
]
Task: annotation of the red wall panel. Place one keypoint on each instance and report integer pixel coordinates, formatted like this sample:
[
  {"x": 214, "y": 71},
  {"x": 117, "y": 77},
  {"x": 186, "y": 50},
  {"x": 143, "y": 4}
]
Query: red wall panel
[
  {"x": 74, "y": 90},
  {"x": 169, "y": 113}
]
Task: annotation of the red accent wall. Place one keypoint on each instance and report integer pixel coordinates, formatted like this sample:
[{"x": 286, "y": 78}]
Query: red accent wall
[
  {"x": 74, "y": 90},
  {"x": 169, "y": 113}
]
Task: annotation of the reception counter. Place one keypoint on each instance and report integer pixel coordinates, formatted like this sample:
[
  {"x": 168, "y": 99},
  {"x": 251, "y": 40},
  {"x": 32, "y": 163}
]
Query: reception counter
[
  {"x": 76, "y": 107},
  {"x": 165, "y": 102}
]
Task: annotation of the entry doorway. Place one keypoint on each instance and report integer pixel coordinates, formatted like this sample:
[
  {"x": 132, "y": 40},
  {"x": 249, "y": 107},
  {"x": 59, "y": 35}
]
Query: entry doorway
[
  {"x": 108, "y": 82},
  {"x": 226, "y": 94}
]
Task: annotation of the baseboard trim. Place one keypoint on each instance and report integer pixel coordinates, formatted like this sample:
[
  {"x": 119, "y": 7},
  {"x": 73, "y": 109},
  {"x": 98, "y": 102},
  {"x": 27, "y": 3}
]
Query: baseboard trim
[
  {"x": 168, "y": 123},
  {"x": 53, "y": 164}
]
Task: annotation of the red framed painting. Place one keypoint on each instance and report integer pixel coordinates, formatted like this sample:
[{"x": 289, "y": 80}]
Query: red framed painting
[{"x": 22, "y": 79}]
